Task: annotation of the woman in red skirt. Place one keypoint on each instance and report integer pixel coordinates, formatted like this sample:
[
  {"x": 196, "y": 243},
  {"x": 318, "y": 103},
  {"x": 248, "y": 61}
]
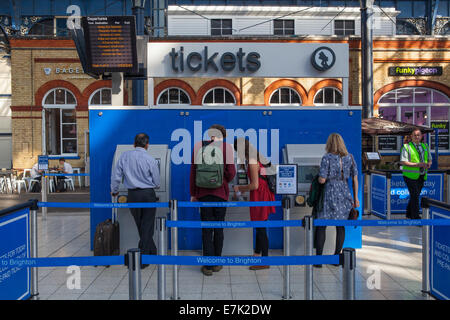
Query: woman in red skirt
[{"x": 258, "y": 167}]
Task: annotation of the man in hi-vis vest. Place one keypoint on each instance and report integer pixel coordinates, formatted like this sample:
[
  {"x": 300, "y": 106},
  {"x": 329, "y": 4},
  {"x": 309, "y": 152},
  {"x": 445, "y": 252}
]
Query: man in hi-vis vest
[{"x": 415, "y": 159}]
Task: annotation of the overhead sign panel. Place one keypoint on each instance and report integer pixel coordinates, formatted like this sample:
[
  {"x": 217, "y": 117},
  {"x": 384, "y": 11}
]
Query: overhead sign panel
[
  {"x": 110, "y": 44},
  {"x": 250, "y": 59}
]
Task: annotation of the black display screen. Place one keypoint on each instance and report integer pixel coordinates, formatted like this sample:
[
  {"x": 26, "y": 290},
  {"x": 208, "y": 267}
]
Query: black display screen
[{"x": 110, "y": 44}]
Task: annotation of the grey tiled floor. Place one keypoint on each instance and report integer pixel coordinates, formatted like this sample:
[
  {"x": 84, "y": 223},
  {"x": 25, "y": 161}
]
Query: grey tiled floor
[{"x": 394, "y": 251}]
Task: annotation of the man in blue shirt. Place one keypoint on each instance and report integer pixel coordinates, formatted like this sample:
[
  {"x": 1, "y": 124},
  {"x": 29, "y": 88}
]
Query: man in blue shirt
[{"x": 140, "y": 173}]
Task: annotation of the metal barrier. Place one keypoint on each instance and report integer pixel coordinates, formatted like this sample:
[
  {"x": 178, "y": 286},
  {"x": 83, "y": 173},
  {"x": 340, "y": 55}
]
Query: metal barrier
[{"x": 134, "y": 259}]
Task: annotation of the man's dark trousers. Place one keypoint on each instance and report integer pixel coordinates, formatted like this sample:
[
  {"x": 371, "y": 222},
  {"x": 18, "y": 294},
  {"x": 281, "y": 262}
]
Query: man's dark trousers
[
  {"x": 414, "y": 188},
  {"x": 144, "y": 218},
  {"x": 212, "y": 238}
]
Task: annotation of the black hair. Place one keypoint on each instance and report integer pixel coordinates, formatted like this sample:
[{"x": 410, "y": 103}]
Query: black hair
[
  {"x": 62, "y": 159},
  {"x": 141, "y": 140}
]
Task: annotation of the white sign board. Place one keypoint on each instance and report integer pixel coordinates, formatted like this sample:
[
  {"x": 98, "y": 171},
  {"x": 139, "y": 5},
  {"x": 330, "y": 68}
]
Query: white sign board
[{"x": 247, "y": 59}]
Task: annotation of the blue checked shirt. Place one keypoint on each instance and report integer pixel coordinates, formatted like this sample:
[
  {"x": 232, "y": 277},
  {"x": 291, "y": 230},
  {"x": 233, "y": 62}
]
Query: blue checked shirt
[{"x": 138, "y": 170}]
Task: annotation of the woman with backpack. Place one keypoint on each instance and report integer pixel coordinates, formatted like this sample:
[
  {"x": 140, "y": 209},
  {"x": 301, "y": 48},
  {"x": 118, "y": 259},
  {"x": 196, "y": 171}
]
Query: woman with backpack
[
  {"x": 336, "y": 167},
  {"x": 258, "y": 169}
]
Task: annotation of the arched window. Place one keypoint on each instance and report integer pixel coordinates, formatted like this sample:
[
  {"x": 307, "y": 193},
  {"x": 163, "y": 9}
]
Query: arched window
[
  {"x": 328, "y": 95},
  {"x": 219, "y": 96},
  {"x": 101, "y": 97},
  {"x": 445, "y": 30},
  {"x": 285, "y": 97},
  {"x": 416, "y": 105},
  {"x": 59, "y": 122},
  {"x": 173, "y": 96}
]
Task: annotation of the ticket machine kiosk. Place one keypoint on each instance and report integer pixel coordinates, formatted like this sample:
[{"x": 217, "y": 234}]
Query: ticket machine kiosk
[
  {"x": 129, "y": 237},
  {"x": 308, "y": 158}
]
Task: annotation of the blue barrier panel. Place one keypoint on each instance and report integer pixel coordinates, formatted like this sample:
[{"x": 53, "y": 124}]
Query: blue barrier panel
[
  {"x": 383, "y": 223},
  {"x": 229, "y": 204},
  {"x": 103, "y": 205},
  {"x": 65, "y": 261},
  {"x": 235, "y": 224},
  {"x": 15, "y": 233},
  {"x": 378, "y": 198},
  {"x": 440, "y": 255},
  {"x": 239, "y": 261},
  {"x": 433, "y": 188}
]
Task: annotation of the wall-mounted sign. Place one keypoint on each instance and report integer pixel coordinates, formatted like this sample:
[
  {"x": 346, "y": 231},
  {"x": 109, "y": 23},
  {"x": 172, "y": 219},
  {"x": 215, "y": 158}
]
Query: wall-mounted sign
[
  {"x": 110, "y": 44},
  {"x": 65, "y": 70},
  {"x": 387, "y": 143},
  {"x": 415, "y": 71},
  {"x": 323, "y": 58},
  {"x": 442, "y": 126},
  {"x": 255, "y": 59}
]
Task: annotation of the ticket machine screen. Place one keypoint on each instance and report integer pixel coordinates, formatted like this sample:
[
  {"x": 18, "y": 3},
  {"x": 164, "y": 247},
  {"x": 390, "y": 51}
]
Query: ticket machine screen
[{"x": 306, "y": 174}]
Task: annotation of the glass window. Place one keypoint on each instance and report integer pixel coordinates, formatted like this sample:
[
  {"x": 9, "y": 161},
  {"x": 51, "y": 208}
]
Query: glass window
[
  {"x": 283, "y": 27},
  {"x": 173, "y": 96},
  {"x": 285, "y": 96},
  {"x": 328, "y": 95},
  {"x": 101, "y": 96},
  {"x": 59, "y": 118},
  {"x": 219, "y": 96},
  {"x": 420, "y": 106},
  {"x": 344, "y": 27},
  {"x": 220, "y": 27},
  {"x": 42, "y": 28}
]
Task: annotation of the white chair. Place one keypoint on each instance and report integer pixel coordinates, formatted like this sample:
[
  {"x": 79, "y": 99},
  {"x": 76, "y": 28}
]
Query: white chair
[
  {"x": 2, "y": 185},
  {"x": 77, "y": 170},
  {"x": 69, "y": 183},
  {"x": 28, "y": 178},
  {"x": 17, "y": 183}
]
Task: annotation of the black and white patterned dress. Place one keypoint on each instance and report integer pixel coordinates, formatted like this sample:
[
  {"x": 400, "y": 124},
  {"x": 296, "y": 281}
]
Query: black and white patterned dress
[{"x": 337, "y": 200}]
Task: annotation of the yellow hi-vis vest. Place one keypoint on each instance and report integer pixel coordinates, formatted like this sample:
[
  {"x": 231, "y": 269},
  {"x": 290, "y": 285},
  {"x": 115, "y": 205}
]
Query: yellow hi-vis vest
[{"x": 414, "y": 172}]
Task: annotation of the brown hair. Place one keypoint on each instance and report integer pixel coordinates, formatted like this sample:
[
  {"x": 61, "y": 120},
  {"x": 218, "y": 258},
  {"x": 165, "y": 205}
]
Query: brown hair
[
  {"x": 336, "y": 145},
  {"x": 217, "y": 130},
  {"x": 244, "y": 148}
]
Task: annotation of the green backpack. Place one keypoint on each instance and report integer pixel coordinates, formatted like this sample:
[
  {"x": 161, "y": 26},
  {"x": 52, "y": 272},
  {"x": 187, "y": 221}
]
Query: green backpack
[{"x": 209, "y": 166}]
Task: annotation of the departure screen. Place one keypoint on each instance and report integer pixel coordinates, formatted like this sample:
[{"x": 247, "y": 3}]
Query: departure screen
[{"x": 110, "y": 44}]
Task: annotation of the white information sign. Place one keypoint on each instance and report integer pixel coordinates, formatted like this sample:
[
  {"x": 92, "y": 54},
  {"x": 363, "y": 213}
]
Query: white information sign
[{"x": 287, "y": 179}]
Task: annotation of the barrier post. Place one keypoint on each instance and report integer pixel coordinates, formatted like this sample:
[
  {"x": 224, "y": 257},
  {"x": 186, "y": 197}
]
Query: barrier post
[
  {"x": 133, "y": 260},
  {"x": 44, "y": 190},
  {"x": 369, "y": 193},
  {"x": 286, "y": 249},
  {"x": 162, "y": 237},
  {"x": 448, "y": 186},
  {"x": 388, "y": 204},
  {"x": 174, "y": 251},
  {"x": 34, "y": 249},
  {"x": 308, "y": 224},
  {"x": 349, "y": 266},
  {"x": 425, "y": 248}
]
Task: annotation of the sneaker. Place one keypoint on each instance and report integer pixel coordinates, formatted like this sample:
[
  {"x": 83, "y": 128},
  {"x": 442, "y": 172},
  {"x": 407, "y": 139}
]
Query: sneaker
[
  {"x": 258, "y": 267},
  {"x": 206, "y": 271},
  {"x": 217, "y": 268}
]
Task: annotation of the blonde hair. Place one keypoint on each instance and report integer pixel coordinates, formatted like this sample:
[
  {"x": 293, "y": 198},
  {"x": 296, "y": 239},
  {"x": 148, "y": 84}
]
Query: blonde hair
[{"x": 336, "y": 145}]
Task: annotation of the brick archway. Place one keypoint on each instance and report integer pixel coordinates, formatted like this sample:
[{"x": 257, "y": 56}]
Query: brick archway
[
  {"x": 174, "y": 83},
  {"x": 53, "y": 84},
  {"x": 409, "y": 83},
  {"x": 214, "y": 84},
  {"x": 285, "y": 83},
  {"x": 326, "y": 84}
]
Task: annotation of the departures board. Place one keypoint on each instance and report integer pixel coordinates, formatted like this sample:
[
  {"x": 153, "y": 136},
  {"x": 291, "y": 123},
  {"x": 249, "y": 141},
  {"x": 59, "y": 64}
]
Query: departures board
[{"x": 110, "y": 44}]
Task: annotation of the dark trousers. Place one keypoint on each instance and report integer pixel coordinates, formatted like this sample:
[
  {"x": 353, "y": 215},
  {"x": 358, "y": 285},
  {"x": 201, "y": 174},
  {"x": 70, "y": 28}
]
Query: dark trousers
[
  {"x": 320, "y": 239},
  {"x": 212, "y": 238},
  {"x": 414, "y": 188},
  {"x": 144, "y": 218},
  {"x": 262, "y": 242}
]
